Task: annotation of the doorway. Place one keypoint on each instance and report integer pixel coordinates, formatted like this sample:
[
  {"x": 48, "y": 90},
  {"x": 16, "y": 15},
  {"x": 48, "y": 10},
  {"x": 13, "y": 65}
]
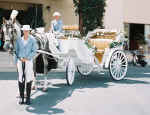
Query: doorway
[{"x": 134, "y": 30}]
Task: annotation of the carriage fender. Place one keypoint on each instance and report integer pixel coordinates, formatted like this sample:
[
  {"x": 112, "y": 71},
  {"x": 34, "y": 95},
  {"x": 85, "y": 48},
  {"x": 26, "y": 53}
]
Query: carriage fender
[{"x": 107, "y": 56}]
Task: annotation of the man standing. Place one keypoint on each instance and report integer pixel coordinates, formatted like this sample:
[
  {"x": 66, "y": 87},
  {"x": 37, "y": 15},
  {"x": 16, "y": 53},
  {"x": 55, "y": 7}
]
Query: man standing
[{"x": 25, "y": 51}]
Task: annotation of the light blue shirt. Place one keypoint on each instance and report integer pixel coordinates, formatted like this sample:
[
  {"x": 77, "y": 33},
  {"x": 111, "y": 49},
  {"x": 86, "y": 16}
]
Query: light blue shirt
[
  {"x": 27, "y": 50},
  {"x": 57, "y": 25}
]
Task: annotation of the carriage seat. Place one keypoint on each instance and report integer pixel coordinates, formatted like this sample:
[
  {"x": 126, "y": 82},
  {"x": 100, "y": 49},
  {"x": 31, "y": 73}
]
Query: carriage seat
[
  {"x": 102, "y": 40},
  {"x": 71, "y": 27},
  {"x": 100, "y": 44}
]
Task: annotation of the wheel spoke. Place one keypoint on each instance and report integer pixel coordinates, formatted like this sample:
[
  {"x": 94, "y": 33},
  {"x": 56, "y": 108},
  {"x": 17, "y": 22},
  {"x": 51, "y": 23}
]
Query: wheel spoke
[
  {"x": 85, "y": 69},
  {"x": 123, "y": 65},
  {"x": 70, "y": 72},
  {"x": 122, "y": 71},
  {"x": 113, "y": 72},
  {"x": 124, "y": 61},
  {"x": 113, "y": 67},
  {"x": 123, "y": 58},
  {"x": 119, "y": 55},
  {"x": 115, "y": 56},
  {"x": 120, "y": 74},
  {"x": 116, "y": 74}
]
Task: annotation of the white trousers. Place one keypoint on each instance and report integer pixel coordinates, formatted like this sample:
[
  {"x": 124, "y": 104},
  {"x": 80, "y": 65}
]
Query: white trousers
[{"x": 29, "y": 74}]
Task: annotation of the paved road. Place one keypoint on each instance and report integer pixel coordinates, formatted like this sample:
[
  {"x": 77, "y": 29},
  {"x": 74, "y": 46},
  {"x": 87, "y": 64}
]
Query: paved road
[{"x": 95, "y": 95}]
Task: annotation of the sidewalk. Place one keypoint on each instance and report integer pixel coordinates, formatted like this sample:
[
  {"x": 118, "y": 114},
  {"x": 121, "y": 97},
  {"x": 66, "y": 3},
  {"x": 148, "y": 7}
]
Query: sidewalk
[{"x": 6, "y": 61}]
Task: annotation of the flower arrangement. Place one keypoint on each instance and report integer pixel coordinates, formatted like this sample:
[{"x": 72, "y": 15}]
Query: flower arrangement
[
  {"x": 89, "y": 46},
  {"x": 115, "y": 44}
]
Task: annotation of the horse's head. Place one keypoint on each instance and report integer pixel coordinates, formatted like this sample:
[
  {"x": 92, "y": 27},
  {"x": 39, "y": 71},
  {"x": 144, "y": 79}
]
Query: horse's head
[{"x": 10, "y": 34}]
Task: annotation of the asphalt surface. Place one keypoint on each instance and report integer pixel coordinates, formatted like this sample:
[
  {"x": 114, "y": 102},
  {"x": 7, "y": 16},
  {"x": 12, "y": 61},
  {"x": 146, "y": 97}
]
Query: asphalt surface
[{"x": 97, "y": 94}]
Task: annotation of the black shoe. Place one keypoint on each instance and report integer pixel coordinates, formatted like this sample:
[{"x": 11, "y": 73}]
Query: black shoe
[
  {"x": 21, "y": 90},
  {"x": 28, "y": 102},
  {"x": 28, "y": 91},
  {"x": 21, "y": 101}
]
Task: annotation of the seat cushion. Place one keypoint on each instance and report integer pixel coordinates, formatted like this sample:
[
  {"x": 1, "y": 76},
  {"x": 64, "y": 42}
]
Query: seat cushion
[{"x": 100, "y": 44}]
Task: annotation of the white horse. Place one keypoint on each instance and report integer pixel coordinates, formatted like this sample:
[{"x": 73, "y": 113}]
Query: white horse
[{"x": 43, "y": 63}]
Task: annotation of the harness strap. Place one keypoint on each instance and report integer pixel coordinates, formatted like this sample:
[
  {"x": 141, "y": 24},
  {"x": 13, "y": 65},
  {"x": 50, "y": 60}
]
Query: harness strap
[{"x": 23, "y": 70}]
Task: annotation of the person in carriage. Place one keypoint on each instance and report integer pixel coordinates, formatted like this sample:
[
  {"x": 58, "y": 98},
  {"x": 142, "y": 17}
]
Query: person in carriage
[
  {"x": 25, "y": 51},
  {"x": 56, "y": 28},
  {"x": 57, "y": 23}
]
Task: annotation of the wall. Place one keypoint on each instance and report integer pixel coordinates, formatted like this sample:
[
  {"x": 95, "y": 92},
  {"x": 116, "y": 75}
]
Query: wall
[
  {"x": 137, "y": 11},
  {"x": 13, "y": 5},
  {"x": 25, "y": 1},
  {"x": 114, "y": 14}
]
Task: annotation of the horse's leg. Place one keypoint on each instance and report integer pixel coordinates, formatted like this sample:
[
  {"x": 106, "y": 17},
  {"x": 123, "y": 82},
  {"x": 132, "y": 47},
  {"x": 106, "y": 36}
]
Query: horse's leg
[
  {"x": 45, "y": 83},
  {"x": 45, "y": 72},
  {"x": 34, "y": 85}
]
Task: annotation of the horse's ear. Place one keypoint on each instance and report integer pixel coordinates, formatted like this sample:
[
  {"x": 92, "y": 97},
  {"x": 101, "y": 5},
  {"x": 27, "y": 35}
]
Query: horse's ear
[{"x": 4, "y": 20}]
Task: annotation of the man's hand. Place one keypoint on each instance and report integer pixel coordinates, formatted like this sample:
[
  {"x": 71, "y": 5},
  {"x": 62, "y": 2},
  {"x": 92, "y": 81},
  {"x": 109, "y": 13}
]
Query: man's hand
[{"x": 24, "y": 59}]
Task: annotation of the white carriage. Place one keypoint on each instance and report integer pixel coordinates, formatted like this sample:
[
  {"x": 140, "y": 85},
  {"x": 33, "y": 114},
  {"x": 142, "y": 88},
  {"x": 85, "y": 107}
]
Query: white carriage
[{"x": 101, "y": 49}]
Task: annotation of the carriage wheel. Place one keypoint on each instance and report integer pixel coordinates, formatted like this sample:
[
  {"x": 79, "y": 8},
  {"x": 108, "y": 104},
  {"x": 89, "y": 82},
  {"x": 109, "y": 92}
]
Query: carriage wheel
[
  {"x": 85, "y": 69},
  {"x": 118, "y": 65},
  {"x": 70, "y": 72}
]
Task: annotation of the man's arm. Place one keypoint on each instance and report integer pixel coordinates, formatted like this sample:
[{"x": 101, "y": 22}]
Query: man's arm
[
  {"x": 33, "y": 50},
  {"x": 52, "y": 26},
  {"x": 60, "y": 26}
]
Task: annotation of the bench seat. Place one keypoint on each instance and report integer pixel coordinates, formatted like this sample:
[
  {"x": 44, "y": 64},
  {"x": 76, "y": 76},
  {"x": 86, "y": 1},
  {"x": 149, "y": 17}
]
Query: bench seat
[{"x": 101, "y": 45}]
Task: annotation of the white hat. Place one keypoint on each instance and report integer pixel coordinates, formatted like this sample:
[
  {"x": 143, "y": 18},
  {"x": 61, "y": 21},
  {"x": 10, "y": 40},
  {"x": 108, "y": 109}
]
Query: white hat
[
  {"x": 56, "y": 14},
  {"x": 14, "y": 13},
  {"x": 26, "y": 27}
]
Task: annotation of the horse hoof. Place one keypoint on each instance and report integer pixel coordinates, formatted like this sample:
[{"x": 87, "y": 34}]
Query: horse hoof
[{"x": 33, "y": 88}]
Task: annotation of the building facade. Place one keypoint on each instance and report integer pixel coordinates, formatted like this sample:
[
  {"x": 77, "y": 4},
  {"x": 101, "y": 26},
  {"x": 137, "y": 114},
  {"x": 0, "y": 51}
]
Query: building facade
[{"x": 129, "y": 15}]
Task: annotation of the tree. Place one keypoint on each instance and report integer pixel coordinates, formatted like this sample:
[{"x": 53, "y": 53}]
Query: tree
[{"x": 90, "y": 13}]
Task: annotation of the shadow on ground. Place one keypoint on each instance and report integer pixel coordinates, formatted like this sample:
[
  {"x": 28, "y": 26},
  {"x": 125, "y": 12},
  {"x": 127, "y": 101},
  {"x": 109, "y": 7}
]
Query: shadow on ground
[{"x": 45, "y": 103}]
